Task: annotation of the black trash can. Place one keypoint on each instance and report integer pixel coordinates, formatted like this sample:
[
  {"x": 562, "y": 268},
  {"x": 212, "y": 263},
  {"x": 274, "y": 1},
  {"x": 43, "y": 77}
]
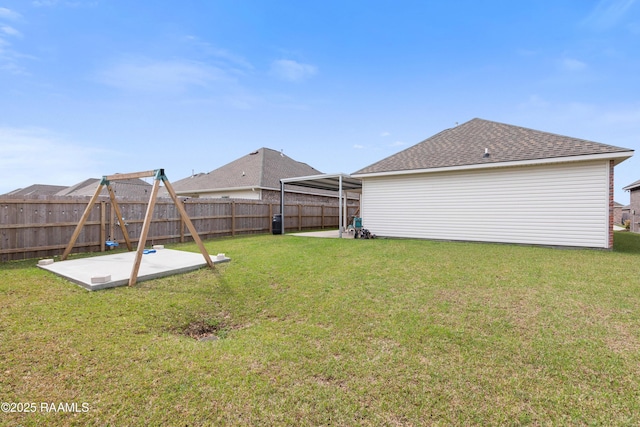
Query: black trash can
[{"x": 276, "y": 224}]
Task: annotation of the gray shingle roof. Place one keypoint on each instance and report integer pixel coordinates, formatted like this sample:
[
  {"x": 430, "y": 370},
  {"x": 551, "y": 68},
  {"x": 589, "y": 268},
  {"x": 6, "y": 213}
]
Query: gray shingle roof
[
  {"x": 465, "y": 145},
  {"x": 633, "y": 185},
  {"x": 36, "y": 190},
  {"x": 71, "y": 190},
  {"x": 132, "y": 188},
  {"x": 262, "y": 168}
]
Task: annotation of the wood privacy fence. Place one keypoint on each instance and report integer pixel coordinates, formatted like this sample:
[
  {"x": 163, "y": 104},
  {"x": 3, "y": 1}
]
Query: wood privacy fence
[{"x": 33, "y": 228}]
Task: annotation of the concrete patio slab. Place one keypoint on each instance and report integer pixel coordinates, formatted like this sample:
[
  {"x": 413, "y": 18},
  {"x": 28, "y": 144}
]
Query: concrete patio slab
[
  {"x": 109, "y": 271},
  {"x": 330, "y": 234}
]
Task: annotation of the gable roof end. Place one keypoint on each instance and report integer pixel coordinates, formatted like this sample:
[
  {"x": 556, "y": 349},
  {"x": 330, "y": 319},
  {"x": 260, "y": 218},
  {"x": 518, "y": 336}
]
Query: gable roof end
[
  {"x": 481, "y": 142},
  {"x": 632, "y": 186},
  {"x": 262, "y": 168},
  {"x": 36, "y": 190}
]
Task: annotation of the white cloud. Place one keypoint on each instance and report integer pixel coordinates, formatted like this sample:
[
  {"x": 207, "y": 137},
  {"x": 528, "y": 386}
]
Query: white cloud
[
  {"x": 570, "y": 64},
  {"x": 9, "y": 14},
  {"x": 44, "y": 3},
  {"x": 526, "y": 52},
  {"x": 397, "y": 144},
  {"x": 37, "y": 156},
  {"x": 228, "y": 58},
  {"x": 608, "y": 13},
  {"x": 383, "y": 134},
  {"x": 10, "y": 59},
  {"x": 623, "y": 117},
  {"x": 293, "y": 71},
  {"x": 534, "y": 101},
  {"x": 10, "y": 31},
  {"x": 160, "y": 76},
  {"x": 358, "y": 146},
  {"x": 68, "y": 3}
]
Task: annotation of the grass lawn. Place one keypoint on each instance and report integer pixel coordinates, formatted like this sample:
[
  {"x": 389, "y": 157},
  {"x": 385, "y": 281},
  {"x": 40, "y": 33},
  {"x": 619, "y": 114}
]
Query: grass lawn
[{"x": 333, "y": 332}]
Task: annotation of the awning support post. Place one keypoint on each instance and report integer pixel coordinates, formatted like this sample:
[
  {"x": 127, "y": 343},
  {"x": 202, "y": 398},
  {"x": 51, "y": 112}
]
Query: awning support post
[
  {"x": 340, "y": 216},
  {"x": 282, "y": 206}
]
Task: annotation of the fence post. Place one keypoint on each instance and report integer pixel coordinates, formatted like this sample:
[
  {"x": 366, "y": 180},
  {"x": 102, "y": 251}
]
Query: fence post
[
  {"x": 182, "y": 222},
  {"x": 233, "y": 218},
  {"x": 299, "y": 217},
  {"x": 270, "y": 219},
  {"x": 103, "y": 225}
]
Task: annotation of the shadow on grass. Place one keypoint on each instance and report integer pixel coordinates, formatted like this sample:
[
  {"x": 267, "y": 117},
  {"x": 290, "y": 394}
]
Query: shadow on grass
[
  {"x": 32, "y": 262},
  {"x": 626, "y": 242},
  {"x": 18, "y": 264}
]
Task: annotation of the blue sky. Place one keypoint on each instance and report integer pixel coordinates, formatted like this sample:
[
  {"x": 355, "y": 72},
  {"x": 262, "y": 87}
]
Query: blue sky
[{"x": 94, "y": 87}]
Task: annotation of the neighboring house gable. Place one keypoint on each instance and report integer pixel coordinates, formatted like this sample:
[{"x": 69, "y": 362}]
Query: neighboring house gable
[
  {"x": 67, "y": 191},
  {"x": 488, "y": 181},
  {"x": 254, "y": 176},
  {"x": 129, "y": 188},
  {"x": 35, "y": 190},
  {"x": 634, "y": 206}
]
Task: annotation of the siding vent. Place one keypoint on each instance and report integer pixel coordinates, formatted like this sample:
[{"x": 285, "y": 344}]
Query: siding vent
[{"x": 486, "y": 153}]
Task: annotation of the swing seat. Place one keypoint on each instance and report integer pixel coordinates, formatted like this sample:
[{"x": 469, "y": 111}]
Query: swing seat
[{"x": 111, "y": 243}]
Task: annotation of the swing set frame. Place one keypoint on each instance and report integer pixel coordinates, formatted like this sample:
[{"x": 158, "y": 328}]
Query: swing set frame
[{"x": 159, "y": 176}]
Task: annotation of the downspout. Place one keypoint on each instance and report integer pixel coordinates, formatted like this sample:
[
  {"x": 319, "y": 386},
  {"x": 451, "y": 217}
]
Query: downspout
[
  {"x": 282, "y": 206},
  {"x": 340, "y": 207}
]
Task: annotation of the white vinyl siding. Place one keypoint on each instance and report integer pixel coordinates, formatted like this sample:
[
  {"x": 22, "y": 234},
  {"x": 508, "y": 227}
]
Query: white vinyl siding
[{"x": 563, "y": 204}]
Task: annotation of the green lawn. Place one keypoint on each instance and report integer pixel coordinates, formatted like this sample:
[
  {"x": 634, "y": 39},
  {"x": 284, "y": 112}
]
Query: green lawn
[{"x": 334, "y": 332}]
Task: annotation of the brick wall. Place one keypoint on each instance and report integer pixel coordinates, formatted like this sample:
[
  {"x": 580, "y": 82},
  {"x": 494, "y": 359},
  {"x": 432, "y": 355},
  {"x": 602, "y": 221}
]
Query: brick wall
[
  {"x": 617, "y": 214},
  {"x": 634, "y": 205}
]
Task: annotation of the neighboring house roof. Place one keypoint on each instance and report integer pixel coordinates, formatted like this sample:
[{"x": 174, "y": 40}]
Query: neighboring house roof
[
  {"x": 132, "y": 188},
  {"x": 261, "y": 169},
  {"x": 632, "y": 186},
  {"x": 465, "y": 145},
  {"x": 36, "y": 190},
  {"x": 70, "y": 190},
  {"x": 617, "y": 205}
]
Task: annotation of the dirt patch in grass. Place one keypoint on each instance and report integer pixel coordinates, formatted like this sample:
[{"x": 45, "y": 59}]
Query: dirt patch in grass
[{"x": 206, "y": 327}]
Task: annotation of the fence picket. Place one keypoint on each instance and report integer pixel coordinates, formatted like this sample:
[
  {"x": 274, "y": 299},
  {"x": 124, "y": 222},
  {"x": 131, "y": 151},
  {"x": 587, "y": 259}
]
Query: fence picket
[{"x": 42, "y": 226}]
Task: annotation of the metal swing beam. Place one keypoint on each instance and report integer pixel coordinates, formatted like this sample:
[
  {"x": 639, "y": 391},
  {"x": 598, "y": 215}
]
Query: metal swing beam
[{"x": 158, "y": 176}]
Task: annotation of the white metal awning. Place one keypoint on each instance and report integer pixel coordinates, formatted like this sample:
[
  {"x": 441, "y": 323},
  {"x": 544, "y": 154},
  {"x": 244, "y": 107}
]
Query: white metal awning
[
  {"x": 326, "y": 181},
  {"x": 340, "y": 182}
]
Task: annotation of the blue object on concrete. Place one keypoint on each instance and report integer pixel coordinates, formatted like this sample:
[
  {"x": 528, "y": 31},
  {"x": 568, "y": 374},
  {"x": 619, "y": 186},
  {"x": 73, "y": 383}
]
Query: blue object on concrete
[{"x": 149, "y": 251}]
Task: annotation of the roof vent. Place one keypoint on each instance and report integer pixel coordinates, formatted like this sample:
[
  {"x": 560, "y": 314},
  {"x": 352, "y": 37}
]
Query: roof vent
[
  {"x": 255, "y": 152},
  {"x": 486, "y": 153}
]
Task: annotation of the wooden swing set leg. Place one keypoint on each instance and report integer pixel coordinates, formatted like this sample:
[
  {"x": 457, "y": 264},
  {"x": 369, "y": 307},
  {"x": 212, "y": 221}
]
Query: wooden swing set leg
[
  {"x": 145, "y": 232},
  {"x": 83, "y": 219}
]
